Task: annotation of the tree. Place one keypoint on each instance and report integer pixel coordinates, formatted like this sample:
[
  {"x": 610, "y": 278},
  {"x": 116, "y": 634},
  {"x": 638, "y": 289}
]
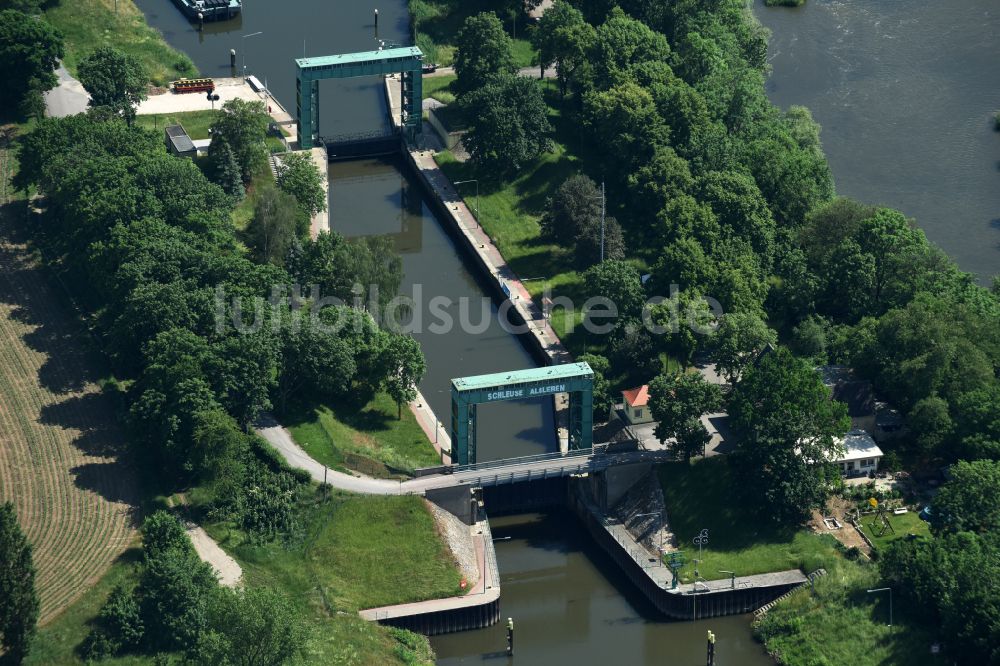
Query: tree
[
  {"x": 174, "y": 585},
  {"x": 402, "y": 366},
  {"x": 298, "y": 176},
  {"x": 970, "y": 500},
  {"x": 508, "y": 123},
  {"x": 273, "y": 224},
  {"x": 243, "y": 125},
  {"x": 250, "y": 627},
  {"x": 30, "y": 50},
  {"x": 619, "y": 282},
  {"x": 567, "y": 212},
  {"x": 225, "y": 170},
  {"x": 18, "y": 598},
  {"x": 563, "y": 38},
  {"x": 787, "y": 427},
  {"x": 677, "y": 403},
  {"x": 484, "y": 53},
  {"x": 621, "y": 42},
  {"x": 740, "y": 339},
  {"x": 624, "y": 122},
  {"x": 603, "y": 400},
  {"x": 930, "y": 423},
  {"x": 115, "y": 80}
]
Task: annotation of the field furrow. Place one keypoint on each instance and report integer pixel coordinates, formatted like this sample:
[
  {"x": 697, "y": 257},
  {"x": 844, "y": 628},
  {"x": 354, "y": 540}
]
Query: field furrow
[{"x": 61, "y": 461}]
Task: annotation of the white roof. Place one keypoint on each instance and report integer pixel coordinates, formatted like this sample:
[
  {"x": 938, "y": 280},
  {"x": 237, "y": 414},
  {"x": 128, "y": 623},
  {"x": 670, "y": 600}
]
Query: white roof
[{"x": 858, "y": 445}]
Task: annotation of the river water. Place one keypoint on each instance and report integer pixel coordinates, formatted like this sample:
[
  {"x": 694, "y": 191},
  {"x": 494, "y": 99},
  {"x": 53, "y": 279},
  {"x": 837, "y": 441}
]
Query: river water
[{"x": 905, "y": 91}]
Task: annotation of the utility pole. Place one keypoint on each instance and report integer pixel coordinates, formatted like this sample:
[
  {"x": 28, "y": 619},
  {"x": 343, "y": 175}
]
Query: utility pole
[{"x": 604, "y": 207}]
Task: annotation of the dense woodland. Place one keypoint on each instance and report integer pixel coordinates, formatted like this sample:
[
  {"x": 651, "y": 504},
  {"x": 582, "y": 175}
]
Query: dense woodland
[{"x": 730, "y": 198}]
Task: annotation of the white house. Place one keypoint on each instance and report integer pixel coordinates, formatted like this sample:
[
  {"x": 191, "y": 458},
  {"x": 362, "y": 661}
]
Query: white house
[
  {"x": 637, "y": 405},
  {"x": 861, "y": 454}
]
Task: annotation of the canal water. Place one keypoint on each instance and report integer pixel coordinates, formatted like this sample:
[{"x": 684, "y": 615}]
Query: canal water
[
  {"x": 572, "y": 605},
  {"x": 569, "y": 601},
  {"x": 905, "y": 91}
]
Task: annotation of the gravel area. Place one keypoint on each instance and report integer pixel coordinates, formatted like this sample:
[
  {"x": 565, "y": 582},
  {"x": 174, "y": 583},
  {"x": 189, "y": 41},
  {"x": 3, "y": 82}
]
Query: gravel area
[{"x": 458, "y": 536}]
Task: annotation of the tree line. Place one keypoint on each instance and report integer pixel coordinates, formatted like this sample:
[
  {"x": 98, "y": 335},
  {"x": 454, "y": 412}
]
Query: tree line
[{"x": 147, "y": 239}]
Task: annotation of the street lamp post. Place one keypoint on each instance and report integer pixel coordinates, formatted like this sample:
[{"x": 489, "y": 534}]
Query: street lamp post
[
  {"x": 889, "y": 590},
  {"x": 243, "y": 46},
  {"x": 472, "y": 180},
  {"x": 604, "y": 206}
]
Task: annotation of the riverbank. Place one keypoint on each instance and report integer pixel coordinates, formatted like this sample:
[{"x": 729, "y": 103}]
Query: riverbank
[{"x": 89, "y": 24}]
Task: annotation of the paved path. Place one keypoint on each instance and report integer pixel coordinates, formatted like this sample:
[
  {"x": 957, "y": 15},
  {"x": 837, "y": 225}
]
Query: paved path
[
  {"x": 321, "y": 221},
  {"x": 68, "y": 98},
  {"x": 226, "y": 568},
  {"x": 550, "y": 73}
]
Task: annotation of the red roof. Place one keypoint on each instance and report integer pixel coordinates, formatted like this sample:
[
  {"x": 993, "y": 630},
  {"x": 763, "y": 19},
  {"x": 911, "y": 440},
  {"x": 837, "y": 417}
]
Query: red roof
[{"x": 637, "y": 397}]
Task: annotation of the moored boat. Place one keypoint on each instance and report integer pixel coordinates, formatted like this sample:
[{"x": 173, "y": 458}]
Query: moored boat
[{"x": 210, "y": 10}]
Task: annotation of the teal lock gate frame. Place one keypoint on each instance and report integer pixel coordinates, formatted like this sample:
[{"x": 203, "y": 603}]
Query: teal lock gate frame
[
  {"x": 407, "y": 60},
  {"x": 577, "y": 379}
]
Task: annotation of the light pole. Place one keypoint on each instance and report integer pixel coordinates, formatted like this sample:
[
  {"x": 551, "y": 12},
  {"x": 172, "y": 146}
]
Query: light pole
[
  {"x": 472, "y": 180},
  {"x": 604, "y": 202},
  {"x": 889, "y": 590},
  {"x": 243, "y": 46},
  {"x": 700, "y": 541},
  {"x": 655, "y": 513}
]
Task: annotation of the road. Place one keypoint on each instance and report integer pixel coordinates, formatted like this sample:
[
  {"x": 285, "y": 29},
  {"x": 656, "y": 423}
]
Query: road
[
  {"x": 531, "y": 467},
  {"x": 68, "y": 98}
]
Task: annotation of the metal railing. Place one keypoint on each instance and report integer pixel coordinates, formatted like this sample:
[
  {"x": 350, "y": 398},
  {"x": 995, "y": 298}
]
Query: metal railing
[{"x": 599, "y": 449}]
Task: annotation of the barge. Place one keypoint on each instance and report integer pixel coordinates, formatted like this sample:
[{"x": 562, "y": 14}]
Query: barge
[{"x": 210, "y": 10}]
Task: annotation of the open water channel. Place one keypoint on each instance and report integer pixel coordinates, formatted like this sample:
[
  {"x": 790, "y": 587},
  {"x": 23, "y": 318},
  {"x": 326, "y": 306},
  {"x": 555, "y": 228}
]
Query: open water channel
[{"x": 902, "y": 88}]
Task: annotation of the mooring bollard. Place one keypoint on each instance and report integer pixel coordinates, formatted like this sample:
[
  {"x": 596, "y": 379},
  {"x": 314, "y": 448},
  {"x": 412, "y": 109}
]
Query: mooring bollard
[
  {"x": 711, "y": 649},
  {"x": 232, "y": 58},
  {"x": 376, "y": 24},
  {"x": 201, "y": 20},
  {"x": 510, "y": 636}
]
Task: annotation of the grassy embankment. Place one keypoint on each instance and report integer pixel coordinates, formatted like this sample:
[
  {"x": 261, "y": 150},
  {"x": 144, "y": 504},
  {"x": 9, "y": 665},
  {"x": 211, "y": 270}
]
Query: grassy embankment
[
  {"x": 704, "y": 495},
  {"x": 88, "y": 24},
  {"x": 353, "y": 553},
  {"x": 838, "y": 623},
  {"x": 437, "y": 22},
  {"x": 370, "y": 439}
]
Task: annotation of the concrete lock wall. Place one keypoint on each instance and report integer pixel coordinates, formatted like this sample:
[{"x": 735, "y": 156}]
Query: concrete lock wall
[{"x": 459, "y": 501}]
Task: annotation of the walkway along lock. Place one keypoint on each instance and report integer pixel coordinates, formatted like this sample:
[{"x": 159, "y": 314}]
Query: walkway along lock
[
  {"x": 407, "y": 61},
  {"x": 577, "y": 379}
]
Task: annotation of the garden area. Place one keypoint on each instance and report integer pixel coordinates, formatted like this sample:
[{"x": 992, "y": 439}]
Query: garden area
[{"x": 369, "y": 438}]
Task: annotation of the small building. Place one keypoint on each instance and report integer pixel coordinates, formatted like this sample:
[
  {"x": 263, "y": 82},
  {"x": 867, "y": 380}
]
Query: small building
[
  {"x": 178, "y": 142},
  {"x": 889, "y": 422},
  {"x": 637, "y": 405},
  {"x": 853, "y": 391},
  {"x": 861, "y": 454}
]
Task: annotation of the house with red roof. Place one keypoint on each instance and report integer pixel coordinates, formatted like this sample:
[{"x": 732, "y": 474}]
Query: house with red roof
[{"x": 637, "y": 405}]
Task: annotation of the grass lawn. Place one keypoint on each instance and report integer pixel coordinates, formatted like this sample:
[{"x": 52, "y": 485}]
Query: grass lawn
[
  {"x": 439, "y": 87},
  {"x": 437, "y": 23},
  {"x": 903, "y": 524},
  {"x": 355, "y": 552},
  {"x": 195, "y": 123},
  {"x": 88, "y": 24},
  {"x": 842, "y": 624},
  {"x": 331, "y": 432},
  {"x": 703, "y": 495}
]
